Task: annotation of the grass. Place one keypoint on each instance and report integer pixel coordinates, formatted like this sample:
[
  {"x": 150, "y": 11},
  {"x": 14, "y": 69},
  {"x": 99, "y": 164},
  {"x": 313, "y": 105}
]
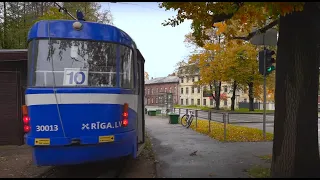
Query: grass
[
  {"x": 204, "y": 108},
  {"x": 267, "y": 158},
  {"x": 259, "y": 172},
  {"x": 148, "y": 151},
  {"x": 234, "y": 133},
  {"x": 241, "y": 110}
]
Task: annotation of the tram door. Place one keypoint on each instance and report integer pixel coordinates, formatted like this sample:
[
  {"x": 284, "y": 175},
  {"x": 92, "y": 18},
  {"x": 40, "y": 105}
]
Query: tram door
[{"x": 140, "y": 78}]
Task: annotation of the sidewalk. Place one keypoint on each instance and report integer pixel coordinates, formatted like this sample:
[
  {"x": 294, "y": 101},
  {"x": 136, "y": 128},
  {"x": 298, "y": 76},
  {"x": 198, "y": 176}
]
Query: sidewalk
[
  {"x": 184, "y": 153},
  {"x": 16, "y": 162}
]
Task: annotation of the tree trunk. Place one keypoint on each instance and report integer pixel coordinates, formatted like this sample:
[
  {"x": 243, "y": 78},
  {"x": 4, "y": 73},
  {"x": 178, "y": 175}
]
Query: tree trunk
[
  {"x": 295, "y": 145},
  {"x": 251, "y": 97},
  {"x": 25, "y": 35},
  {"x": 217, "y": 91},
  {"x": 5, "y": 45},
  {"x": 233, "y": 98}
]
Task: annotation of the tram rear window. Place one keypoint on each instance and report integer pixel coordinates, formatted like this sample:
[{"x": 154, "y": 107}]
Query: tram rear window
[{"x": 74, "y": 63}]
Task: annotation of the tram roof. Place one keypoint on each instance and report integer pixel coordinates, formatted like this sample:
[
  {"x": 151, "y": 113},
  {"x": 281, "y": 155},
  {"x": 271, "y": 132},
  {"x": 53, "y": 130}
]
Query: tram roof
[{"x": 89, "y": 31}]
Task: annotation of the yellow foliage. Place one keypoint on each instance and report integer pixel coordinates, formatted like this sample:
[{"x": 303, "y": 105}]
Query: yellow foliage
[
  {"x": 245, "y": 16},
  {"x": 234, "y": 133},
  {"x": 221, "y": 27}
]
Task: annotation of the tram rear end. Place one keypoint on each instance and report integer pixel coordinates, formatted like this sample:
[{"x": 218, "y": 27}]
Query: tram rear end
[{"x": 82, "y": 102}]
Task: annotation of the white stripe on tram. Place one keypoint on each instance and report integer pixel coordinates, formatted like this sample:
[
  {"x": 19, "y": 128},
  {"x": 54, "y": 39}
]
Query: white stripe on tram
[{"x": 83, "y": 98}]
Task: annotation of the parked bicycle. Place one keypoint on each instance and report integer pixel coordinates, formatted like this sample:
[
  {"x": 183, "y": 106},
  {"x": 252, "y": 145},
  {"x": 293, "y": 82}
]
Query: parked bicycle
[{"x": 186, "y": 120}]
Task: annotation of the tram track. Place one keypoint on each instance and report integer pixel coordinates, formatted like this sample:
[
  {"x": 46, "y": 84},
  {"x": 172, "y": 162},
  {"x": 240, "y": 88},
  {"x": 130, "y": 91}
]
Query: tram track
[{"x": 104, "y": 169}]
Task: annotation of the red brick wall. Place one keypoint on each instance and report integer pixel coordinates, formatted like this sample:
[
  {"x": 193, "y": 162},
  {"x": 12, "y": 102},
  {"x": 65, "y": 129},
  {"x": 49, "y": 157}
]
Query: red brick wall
[{"x": 149, "y": 96}]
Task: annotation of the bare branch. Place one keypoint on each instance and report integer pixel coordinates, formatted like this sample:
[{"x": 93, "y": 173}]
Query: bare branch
[{"x": 261, "y": 30}]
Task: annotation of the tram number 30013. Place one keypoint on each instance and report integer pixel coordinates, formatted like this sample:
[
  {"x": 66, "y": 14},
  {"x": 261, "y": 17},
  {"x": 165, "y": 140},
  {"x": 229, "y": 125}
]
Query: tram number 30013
[{"x": 47, "y": 128}]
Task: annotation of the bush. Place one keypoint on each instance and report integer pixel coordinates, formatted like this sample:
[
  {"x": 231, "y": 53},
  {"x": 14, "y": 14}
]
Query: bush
[{"x": 234, "y": 133}]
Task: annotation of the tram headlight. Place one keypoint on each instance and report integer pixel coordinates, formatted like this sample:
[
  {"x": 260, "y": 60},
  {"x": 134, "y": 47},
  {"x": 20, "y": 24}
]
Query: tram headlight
[{"x": 77, "y": 25}]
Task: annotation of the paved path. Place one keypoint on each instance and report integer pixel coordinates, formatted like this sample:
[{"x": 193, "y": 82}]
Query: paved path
[{"x": 173, "y": 145}]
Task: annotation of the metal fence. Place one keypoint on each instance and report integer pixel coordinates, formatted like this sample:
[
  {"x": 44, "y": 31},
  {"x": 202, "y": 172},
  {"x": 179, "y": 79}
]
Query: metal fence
[
  {"x": 225, "y": 117},
  {"x": 232, "y": 117}
]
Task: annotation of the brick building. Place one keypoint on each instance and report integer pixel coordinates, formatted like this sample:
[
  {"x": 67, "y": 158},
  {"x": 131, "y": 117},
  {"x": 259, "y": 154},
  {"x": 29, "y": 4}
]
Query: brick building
[{"x": 157, "y": 86}]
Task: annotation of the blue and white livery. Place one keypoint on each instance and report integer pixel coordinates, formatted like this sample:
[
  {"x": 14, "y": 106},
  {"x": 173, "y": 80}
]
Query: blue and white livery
[{"x": 84, "y": 100}]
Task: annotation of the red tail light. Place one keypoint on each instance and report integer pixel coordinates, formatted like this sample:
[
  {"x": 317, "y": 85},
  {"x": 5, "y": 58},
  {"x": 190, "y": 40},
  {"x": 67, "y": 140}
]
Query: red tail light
[
  {"x": 26, "y": 128},
  {"x": 125, "y": 115},
  {"x": 25, "y": 119},
  {"x": 125, "y": 122}
]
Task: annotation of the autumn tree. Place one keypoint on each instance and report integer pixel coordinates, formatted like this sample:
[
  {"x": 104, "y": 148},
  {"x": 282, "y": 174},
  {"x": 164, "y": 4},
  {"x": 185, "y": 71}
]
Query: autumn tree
[
  {"x": 239, "y": 65},
  {"x": 295, "y": 145},
  {"x": 241, "y": 68},
  {"x": 16, "y": 18}
]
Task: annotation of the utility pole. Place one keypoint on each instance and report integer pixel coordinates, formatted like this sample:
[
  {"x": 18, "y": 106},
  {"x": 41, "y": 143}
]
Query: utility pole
[{"x": 264, "y": 91}]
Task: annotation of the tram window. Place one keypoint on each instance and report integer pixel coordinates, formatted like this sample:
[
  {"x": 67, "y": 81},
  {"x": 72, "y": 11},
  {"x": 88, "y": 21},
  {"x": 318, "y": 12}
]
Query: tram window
[
  {"x": 98, "y": 59},
  {"x": 126, "y": 68}
]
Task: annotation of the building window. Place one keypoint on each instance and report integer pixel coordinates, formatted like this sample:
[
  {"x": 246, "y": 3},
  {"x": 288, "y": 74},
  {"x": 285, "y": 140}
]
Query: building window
[
  {"x": 170, "y": 90},
  {"x": 225, "y": 89},
  {"x": 198, "y": 89},
  {"x": 225, "y": 102},
  {"x": 192, "y": 90},
  {"x": 245, "y": 100},
  {"x": 148, "y": 91},
  {"x": 192, "y": 79},
  {"x": 181, "y": 80},
  {"x": 192, "y": 101},
  {"x": 187, "y": 79},
  {"x": 157, "y": 100},
  {"x": 211, "y": 102},
  {"x": 181, "y": 90},
  {"x": 187, "y": 90},
  {"x": 204, "y": 102},
  {"x": 181, "y": 101},
  {"x": 187, "y": 102},
  {"x": 152, "y": 101},
  {"x": 148, "y": 101},
  {"x": 151, "y": 91},
  {"x": 157, "y": 90},
  {"x": 198, "y": 102},
  {"x": 160, "y": 89},
  {"x": 165, "y": 89}
]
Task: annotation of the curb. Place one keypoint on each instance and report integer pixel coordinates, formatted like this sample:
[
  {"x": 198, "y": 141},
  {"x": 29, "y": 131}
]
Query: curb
[
  {"x": 156, "y": 159},
  {"x": 157, "y": 164}
]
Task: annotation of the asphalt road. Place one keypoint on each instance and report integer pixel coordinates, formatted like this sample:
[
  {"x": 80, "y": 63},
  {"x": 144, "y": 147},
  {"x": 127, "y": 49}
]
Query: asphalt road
[{"x": 233, "y": 118}]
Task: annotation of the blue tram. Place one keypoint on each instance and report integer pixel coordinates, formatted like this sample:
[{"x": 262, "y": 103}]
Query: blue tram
[{"x": 84, "y": 100}]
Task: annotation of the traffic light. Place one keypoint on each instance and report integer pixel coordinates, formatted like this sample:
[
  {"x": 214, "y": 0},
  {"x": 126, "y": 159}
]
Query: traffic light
[
  {"x": 269, "y": 61},
  {"x": 261, "y": 62}
]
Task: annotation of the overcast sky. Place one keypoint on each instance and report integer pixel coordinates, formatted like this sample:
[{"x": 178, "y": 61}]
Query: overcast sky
[{"x": 162, "y": 47}]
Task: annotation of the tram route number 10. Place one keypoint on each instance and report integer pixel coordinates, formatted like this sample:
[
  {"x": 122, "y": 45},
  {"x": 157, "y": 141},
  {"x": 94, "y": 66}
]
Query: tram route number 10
[{"x": 75, "y": 76}]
